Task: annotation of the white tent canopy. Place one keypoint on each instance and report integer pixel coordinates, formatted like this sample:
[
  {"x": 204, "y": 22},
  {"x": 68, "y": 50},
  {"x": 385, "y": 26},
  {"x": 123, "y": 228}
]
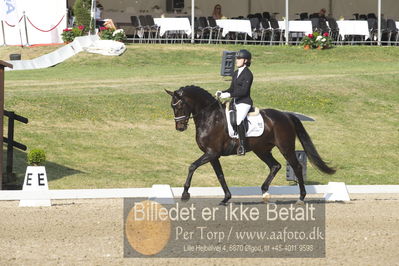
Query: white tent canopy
[
  {"x": 47, "y": 18},
  {"x": 231, "y": 8},
  {"x": 121, "y": 10}
]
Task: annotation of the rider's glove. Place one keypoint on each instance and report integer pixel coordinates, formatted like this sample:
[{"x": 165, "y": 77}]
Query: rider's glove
[{"x": 224, "y": 95}]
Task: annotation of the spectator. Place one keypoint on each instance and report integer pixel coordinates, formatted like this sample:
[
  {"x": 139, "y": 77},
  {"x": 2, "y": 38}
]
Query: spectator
[
  {"x": 322, "y": 13},
  {"x": 103, "y": 22},
  {"x": 217, "y": 12},
  {"x": 71, "y": 17},
  {"x": 99, "y": 10}
]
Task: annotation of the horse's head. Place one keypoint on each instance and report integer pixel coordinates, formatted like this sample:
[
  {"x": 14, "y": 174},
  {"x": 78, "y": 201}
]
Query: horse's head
[{"x": 180, "y": 108}]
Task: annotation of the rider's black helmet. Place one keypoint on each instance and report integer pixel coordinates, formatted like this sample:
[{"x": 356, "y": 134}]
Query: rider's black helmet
[{"x": 245, "y": 54}]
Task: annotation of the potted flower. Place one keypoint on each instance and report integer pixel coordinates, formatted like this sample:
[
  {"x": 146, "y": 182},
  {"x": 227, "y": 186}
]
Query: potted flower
[
  {"x": 324, "y": 41},
  {"x": 68, "y": 35},
  {"x": 308, "y": 41},
  {"x": 79, "y": 31},
  {"x": 107, "y": 33},
  {"x": 119, "y": 35}
]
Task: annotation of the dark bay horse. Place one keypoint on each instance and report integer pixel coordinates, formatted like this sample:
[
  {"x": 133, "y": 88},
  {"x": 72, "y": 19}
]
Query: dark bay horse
[{"x": 281, "y": 130}]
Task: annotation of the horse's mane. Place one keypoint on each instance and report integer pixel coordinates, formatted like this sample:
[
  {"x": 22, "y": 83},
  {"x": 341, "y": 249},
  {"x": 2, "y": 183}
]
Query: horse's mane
[{"x": 196, "y": 93}]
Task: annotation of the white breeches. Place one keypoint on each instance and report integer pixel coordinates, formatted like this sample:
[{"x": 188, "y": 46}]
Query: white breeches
[{"x": 242, "y": 111}]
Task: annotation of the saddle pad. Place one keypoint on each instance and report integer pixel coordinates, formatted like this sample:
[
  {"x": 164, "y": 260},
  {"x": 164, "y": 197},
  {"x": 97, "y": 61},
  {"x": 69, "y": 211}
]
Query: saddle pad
[{"x": 256, "y": 125}]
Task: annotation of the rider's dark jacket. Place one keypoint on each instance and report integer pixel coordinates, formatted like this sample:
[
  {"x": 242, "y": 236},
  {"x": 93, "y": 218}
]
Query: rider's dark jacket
[{"x": 240, "y": 88}]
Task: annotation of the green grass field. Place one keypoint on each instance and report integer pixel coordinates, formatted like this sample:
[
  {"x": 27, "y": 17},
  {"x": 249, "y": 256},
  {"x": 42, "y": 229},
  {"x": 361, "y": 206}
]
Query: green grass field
[{"x": 107, "y": 122}]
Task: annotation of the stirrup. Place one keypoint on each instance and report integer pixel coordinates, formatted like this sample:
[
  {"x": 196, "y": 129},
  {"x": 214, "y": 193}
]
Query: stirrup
[{"x": 241, "y": 150}]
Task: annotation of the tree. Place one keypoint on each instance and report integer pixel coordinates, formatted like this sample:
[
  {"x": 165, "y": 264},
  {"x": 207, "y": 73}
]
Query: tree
[{"x": 81, "y": 9}]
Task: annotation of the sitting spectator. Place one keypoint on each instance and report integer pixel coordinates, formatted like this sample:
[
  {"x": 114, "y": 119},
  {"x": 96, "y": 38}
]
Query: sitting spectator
[
  {"x": 99, "y": 9},
  {"x": 217, "y": 12},
  {"x": 322, "y": 13},
  {"x": 108, "y": 23},
  {"x": 103, "y": 22}
]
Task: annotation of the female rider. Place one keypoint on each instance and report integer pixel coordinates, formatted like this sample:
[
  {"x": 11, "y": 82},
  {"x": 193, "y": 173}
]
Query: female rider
[{"x": 240, "y": 91}]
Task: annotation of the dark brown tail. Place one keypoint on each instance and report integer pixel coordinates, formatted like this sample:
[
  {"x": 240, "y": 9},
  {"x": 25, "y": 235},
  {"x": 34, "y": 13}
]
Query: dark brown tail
[{"x": 309, "y": 147}]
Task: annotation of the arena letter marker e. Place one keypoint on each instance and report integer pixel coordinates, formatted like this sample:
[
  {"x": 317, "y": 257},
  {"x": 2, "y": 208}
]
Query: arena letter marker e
[{"x": 35, "y": 180}]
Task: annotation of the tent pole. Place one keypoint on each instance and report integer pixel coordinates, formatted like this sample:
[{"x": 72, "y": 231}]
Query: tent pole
[
  {"x": 92, "y": 15},
  {"x": 192, "y": 20},
  {"x": 26, "y": 30},
  {"x": 4, "y": 35},
  {"x": 249, "y": 6},
  {"x": 286, "y": 33},
  {"x": 379, "y": 22},
  {"x": 66, "y": 17}
]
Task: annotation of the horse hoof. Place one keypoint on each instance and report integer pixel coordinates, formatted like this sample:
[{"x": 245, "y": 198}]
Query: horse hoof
[
  {"x": 222, "y": 203},
  {"x": 300, "y": 203},
  {"x": 185, "y": 196},
  {"x": 225, "y": 200},
  {"x": 266, "y": 197}
]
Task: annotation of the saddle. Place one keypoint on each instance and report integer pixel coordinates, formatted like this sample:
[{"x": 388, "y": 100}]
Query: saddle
[{"x": 231, "y": 110}]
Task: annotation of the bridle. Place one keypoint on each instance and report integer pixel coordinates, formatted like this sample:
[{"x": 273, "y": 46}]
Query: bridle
[
  {"x": 179, "y": 118},
  {"x": 183, "y": 117},
  {"x": 187, "y": 117}
]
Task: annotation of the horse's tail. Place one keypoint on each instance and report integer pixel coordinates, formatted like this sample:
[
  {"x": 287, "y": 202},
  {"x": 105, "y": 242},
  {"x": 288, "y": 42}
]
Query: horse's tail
[{"x": 309, "y": 147}]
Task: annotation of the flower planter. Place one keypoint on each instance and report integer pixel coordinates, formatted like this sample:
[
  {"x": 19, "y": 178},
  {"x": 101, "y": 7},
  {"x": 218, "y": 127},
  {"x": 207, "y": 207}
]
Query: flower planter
[
  {"x": 316, "y": 41},
  {"x": 15, "y": 57}
]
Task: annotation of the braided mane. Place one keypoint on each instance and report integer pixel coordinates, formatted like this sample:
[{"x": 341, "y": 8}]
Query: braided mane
[{"x": 197, "y": 93}]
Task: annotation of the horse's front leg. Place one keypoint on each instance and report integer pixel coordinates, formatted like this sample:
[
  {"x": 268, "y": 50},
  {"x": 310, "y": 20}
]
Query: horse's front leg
[
  {"x": 206, "y": 158},
  {"x": 219, "y": 173}
]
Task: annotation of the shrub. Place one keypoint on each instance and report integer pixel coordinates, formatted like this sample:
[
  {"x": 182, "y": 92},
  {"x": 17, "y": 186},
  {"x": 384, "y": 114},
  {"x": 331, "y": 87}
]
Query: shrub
[{"x": 36, "y": 157}]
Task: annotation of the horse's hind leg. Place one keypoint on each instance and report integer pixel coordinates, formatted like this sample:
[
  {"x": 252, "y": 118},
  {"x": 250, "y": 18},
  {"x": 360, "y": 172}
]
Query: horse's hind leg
[
  {"x": 219, "y": 173},
  {"x": 274, "y": 167},
  {"x": 293, "y": 161}
]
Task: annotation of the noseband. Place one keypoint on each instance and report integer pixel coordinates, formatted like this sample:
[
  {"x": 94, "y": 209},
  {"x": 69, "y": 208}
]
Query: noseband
[{"x": 180, "y": 118}]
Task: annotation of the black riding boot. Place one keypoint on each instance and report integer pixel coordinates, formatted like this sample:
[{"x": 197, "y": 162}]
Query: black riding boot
[{"x": 241, "y": 135}]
